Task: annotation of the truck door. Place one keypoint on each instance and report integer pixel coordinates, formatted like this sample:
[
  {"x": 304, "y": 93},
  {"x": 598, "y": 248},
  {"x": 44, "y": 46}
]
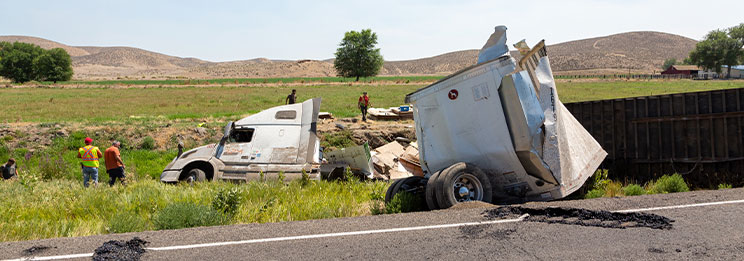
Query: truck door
[{"x": 238, "y": 145}]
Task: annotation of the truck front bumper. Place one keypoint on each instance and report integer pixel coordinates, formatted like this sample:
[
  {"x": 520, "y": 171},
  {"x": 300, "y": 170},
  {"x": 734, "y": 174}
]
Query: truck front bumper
[{"x": 170, "y": 175}]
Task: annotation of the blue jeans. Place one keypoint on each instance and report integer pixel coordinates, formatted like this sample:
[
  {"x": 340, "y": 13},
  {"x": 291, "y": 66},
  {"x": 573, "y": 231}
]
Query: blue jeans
[{"x": 88, "y": 173}]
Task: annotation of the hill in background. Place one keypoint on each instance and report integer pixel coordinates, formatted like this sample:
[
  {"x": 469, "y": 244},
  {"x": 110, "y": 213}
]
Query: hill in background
[{"x": 639, "y": 52}]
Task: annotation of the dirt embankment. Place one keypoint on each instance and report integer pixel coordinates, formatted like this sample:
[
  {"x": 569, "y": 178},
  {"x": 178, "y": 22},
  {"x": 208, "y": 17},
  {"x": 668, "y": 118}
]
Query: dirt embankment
[{"x": 193, "y": 133}]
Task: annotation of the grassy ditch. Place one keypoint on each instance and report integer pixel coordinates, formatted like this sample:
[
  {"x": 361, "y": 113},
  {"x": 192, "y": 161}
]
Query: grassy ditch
[
  {"x": 59, "y": 161},
  {"x": 63, "y": 208},
  {"x": 600, "y": 186}
]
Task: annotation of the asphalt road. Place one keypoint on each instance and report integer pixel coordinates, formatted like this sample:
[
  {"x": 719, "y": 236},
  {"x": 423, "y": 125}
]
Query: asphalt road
[{"x": 700, "y": 231}]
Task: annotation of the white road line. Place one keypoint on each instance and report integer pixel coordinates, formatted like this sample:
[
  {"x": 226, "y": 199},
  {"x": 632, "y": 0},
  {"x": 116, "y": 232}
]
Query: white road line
[
  {"x": 365, "y": 232},
  {"x": 341, "y": 234},
  {"x": 52, "y": 257},
  {"x": 682, "y": 206}
]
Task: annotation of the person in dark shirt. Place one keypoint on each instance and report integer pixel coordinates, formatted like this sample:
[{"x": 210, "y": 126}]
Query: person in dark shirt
[
  {"x": 9, "y": 169},
  {"x": 291, "y": 97}
]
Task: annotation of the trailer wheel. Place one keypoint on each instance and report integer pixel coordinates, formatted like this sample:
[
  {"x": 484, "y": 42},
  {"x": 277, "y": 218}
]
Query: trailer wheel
[
  {"x": 431, "y": 194},
  {"x": 414, "y": 185},
  {"x": 392, "y": 190},
  {"x": 195, "y": 175},
  {"x": 462, "y": 182}
]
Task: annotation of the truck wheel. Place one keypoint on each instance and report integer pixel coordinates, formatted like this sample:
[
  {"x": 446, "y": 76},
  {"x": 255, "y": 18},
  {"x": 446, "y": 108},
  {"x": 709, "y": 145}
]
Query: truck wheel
[
  {"x": 462, "y": 182},
  {"x": 392, "y": 190},
  {"x": 431, "y": 195},
  {"x": 414, "y": 185},
  {"x": 195, "y": 175}
]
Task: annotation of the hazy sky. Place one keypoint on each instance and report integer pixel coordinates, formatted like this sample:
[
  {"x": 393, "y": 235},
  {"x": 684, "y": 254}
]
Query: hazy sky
[{"x": 237, "y": 30}]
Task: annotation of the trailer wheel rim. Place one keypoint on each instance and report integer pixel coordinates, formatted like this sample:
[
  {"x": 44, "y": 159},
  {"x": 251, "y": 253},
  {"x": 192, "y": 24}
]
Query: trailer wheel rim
[{"x": 467, "y": 188}]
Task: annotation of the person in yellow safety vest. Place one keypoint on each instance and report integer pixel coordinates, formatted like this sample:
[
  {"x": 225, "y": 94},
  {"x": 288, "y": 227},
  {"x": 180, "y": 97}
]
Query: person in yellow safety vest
[{"x": 90, "y": 155}]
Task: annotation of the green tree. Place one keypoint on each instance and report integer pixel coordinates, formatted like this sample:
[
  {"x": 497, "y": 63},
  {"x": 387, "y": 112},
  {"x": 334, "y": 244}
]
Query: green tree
[
  {"x": 54, "y": 65},
  {"x": 737, "y": 32},
  {"x": 17, "y": 61},
  {"x": 23, "y": 62},
  {"x": 357, "y": 55},
  {"x": 668, "y": 63},
  {"x": 717, "y": 49}
]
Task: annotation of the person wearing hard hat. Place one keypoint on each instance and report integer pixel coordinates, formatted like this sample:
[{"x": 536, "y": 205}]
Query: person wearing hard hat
[{"x": 89, "y": 155}]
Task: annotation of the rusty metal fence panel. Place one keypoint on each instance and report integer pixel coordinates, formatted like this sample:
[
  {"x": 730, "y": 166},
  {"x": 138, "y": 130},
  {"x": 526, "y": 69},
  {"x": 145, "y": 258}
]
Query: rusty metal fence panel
[{"x": 698, "y": 135}]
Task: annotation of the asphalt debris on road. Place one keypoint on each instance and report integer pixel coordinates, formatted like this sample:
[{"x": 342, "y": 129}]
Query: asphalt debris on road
[
  {"x": 120, "y": 250},
  {"x": 35, "y": 250},
  {"x": 582, "y": 217},
  {"x": 484, "y": 231}
]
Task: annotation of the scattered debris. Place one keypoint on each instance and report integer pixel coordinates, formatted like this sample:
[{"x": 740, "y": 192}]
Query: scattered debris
[
  {"x": 35, "y": 249},
  {"x": 356, "y": 158},
  {"x": 481, "y": 231},
  {"x": 394, "y": 161},
  {"x": 583, "y": 217},
  {"x": 325, "y": 115},
  {"x": 120, "y": 250},
  {"x": 393, "y": 113}
]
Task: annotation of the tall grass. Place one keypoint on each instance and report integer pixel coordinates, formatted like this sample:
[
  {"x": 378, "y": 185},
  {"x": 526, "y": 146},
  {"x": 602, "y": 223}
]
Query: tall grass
[{"x": 64, "y": 208}]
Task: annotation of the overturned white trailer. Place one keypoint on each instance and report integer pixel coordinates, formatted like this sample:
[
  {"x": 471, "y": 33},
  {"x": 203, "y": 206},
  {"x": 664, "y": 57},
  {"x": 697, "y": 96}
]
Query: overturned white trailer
[{"x": 496, "y": 131}]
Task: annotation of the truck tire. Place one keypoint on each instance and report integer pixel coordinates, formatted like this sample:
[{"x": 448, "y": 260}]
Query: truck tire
[
  {"x": 195, "y": 175},
  {"x": 414, "y": 185},
  {"x": 431, "y": 195},
  {"x": 392, "y": 190},
  {"x": 462, "y": 182}
]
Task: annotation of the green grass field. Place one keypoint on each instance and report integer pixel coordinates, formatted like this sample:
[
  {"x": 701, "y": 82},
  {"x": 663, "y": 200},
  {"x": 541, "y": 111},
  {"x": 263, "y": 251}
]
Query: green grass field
[
  {"x": 569, "y": 91},
  {"x": 120, "y": 104}
]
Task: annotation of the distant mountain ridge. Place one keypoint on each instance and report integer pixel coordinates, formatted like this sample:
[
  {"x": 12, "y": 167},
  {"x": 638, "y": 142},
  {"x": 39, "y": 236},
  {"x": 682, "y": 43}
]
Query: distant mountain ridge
[{"x": 639, "y": 52}]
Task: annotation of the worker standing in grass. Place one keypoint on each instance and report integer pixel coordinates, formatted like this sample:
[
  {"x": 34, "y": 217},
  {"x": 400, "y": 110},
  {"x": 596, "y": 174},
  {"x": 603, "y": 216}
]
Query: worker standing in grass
[
  {"x": 291, "y": 98},
  {"x": 364, "y": 105},
  {"x": 9, "y": 169},
  {"x": 89, "y": 155},
  {"x": 114, "y": 164}
]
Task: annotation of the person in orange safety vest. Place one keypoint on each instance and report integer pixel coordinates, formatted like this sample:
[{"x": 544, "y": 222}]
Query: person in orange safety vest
[{"x": 89, "y": 155}]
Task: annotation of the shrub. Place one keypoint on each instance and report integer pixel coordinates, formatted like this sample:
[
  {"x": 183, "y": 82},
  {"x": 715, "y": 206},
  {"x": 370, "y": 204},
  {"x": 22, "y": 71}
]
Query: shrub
[
  {"x": 341, "y": 139},
  {"x": 52, "y": 166},
  {"x": 668, "y": 184},
  {"x": 724, "y": 186},
  {"x": 227, "y": 200},
  {"x": 633, "y": 190},
  {"x": 405, "y": 202},
  {"x": 148, "y": 143},
  {"x": 595, "y": 193},
  {"x": 613, "y": 189},
  {"x": 186, "y": 214}
]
